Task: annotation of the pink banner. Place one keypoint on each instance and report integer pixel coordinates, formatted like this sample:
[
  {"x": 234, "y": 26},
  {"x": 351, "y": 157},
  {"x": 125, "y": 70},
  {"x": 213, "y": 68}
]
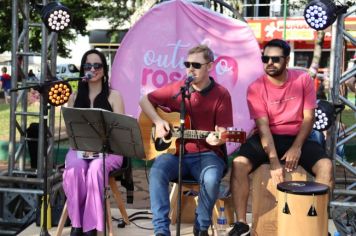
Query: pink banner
[{"x": 153, "y": 51}]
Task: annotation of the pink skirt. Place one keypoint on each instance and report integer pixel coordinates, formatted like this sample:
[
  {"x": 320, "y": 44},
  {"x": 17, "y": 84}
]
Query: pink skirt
[{"x": 83, "y": 186}]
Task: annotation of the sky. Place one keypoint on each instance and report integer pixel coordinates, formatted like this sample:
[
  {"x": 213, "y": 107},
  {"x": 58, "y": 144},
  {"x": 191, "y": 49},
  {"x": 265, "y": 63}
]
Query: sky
[{"x": 78, "y": 48}]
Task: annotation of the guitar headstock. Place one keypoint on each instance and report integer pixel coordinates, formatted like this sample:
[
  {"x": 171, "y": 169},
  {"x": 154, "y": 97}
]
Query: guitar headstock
[{"x": 233, "y": 136}]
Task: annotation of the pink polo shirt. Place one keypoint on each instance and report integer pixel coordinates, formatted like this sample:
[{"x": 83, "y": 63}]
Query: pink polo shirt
[{"x": 283, "y": 105}]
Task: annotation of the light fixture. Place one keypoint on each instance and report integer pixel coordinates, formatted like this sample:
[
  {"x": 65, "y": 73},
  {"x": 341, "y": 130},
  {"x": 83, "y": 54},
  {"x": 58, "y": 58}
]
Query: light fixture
[
  {"x": 55, "y": 16},
  {"x": 320, "y": 14},
  {"x": 58, "y": 93},
  {"x": 325, "y": 114}
]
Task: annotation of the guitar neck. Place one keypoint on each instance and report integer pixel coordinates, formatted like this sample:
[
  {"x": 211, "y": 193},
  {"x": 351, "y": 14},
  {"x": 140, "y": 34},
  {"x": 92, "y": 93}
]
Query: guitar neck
[
  {"x": 157, "y": 146},
  {"x": 193, "y": 134}
]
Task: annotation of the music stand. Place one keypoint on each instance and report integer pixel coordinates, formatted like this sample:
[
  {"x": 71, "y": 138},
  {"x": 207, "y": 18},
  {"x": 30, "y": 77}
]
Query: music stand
[{"x": 98, "y": 130}]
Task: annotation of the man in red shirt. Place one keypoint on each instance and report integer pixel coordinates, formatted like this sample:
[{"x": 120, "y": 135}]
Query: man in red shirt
[
  {"x": 210, "y": 109},
  {"x": 282, "y": 103}
]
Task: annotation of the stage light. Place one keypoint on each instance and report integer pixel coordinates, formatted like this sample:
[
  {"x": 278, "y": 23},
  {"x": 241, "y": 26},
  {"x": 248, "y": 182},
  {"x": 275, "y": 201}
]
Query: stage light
[
  {"x": 55, "y": 16},
  {"x": 324, "y": 115},
  {"x": 320, "y": 14},
  {"x": 58, "y": 93}
]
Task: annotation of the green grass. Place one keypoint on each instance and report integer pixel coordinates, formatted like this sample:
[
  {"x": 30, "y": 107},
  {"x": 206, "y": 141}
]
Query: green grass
[
  {"x": 348, "y": 118},
  {"x": 5, "y": 119}
]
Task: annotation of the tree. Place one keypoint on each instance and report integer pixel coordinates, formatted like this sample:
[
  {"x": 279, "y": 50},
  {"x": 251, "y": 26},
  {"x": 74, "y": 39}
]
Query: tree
[
  {"x": 318, "y": 46},
  {"x": 318, "y": 43},
  {"x": 117, "y": 12}
]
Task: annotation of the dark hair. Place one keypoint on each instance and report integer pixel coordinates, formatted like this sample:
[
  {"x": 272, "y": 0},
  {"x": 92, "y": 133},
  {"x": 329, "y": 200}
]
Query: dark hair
[
  {"x": 101, "y": 101},
  {"x": 280, "y": 44},
  {"x": 30, "y": 73}
]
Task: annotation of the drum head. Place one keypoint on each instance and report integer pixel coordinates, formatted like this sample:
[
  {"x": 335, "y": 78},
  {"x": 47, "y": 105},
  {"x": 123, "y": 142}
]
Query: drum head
[{"x": 303, "y": 187}]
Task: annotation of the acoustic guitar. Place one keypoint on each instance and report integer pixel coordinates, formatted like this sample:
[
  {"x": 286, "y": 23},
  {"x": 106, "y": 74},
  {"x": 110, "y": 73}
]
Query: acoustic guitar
[{"x": 157, "y": 146}]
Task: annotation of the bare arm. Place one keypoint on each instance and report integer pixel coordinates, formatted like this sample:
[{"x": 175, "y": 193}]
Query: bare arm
[
  {"x": 162, "y": 126},
  {"x": 71, "y": 100},
  {"x": 270, "y": 149},
  {"x": 116, "y": 102},
  {"x": 293, "y": 154}
]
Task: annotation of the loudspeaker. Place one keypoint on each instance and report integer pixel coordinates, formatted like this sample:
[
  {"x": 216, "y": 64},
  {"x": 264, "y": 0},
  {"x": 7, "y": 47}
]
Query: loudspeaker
[{"x": 32, "y": 133}]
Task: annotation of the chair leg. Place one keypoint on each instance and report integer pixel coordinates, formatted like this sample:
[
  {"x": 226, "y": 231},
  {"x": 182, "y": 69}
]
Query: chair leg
[
  {"x": 215, "y": 213},
  {"x": 62, "y": 220},
  {"x": 108, "y": 215},
  {"x": 173, "y": 199},
  {"x": 118, "y": 199}
]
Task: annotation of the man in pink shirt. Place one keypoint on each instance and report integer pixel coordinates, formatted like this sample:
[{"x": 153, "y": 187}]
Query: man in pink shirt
[{"x": 282, "y": 103}]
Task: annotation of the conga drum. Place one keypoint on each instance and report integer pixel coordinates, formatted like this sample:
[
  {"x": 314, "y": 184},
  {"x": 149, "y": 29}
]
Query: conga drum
[
  {"x": 264, "y": 199},
  {"x": 302, "y": 208}
]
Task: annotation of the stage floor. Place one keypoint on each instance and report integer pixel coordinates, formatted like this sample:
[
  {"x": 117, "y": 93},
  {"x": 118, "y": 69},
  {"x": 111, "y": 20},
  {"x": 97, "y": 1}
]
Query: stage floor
[
  {"x": 135, "y": 230},
  {"x": 141, "y": 203},
  {"x": 132, "y": 229}
]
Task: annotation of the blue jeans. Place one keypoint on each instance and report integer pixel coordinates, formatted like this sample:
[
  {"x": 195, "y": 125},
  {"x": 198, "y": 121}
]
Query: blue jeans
[
  {"x": 319, "y": 137},
  {"x": 206, "y": 168}
]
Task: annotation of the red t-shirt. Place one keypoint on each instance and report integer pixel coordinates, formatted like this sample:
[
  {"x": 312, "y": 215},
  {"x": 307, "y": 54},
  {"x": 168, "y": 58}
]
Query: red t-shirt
[
  {"x": 282, "y": 105},
  {"x": 206, "y": 108}
]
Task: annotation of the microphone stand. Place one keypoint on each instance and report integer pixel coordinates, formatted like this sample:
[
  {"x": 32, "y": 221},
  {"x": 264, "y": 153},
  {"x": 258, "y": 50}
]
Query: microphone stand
[
  {"x": 104, "y": 150},
  {"x": 184, "y": 93}
]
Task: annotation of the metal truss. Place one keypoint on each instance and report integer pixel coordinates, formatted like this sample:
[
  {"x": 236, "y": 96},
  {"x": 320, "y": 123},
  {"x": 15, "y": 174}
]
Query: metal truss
[
  {"x": 21, "y": 187},
  {"x": 342, "y": 197}
]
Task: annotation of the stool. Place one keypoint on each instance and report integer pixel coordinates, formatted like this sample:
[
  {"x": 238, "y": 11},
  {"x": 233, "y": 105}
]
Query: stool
[
  {"x": 190, "y": 202},
  {"x": 264, "y": 195},
  {"x": 117, "y": 195}
]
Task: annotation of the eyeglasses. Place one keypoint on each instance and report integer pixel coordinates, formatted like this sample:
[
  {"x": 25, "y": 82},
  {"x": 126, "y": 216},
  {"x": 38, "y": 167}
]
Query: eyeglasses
[
  {"x": 96, "y": 66},
  {"x": 275, "y": 59},
  {"x": 196, "y": 65}
]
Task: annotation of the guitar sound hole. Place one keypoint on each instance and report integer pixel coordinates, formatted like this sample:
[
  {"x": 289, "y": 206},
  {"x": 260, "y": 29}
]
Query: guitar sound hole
[
  {"x": 169, "y": 136},
  {"x": 160, "y": 145}
]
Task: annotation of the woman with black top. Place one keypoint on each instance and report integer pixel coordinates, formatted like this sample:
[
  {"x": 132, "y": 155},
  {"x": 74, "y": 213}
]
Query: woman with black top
[{"x": 83, "y": 177}]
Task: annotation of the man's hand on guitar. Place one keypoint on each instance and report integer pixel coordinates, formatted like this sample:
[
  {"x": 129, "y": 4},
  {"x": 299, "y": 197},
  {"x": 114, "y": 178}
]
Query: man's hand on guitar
[
  {"x": 162, "y": 128},
  {"x": 214, "y": 140}
]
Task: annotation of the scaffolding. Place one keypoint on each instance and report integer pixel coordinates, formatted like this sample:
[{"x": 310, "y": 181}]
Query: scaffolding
[
  {"x": 21, "y": 187},
  {"x": 342, "y": 197}
]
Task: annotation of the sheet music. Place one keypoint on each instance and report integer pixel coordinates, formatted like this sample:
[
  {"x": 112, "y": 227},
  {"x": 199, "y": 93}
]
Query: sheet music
[{"x": 92, "y": 129}]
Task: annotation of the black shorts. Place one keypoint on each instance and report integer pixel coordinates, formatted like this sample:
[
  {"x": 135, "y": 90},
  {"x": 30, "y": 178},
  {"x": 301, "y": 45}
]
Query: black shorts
[{"x": 311, "y": 151}]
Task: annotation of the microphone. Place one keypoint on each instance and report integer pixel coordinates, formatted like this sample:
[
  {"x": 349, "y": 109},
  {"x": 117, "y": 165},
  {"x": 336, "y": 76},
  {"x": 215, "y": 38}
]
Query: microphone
[
  {"x": 189, "y": 79},
  {"x": 88, "y": 75},
  {"x": 186, "y": 87},
  {"x": 189, "y": 89}
]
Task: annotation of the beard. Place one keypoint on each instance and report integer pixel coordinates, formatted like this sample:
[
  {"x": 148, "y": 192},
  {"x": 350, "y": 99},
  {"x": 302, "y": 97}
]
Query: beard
[{"x": 275, "y": 71}]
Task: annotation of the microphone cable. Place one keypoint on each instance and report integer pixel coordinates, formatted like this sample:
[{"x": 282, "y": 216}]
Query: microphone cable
[{"x": 133, "y": 217}]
